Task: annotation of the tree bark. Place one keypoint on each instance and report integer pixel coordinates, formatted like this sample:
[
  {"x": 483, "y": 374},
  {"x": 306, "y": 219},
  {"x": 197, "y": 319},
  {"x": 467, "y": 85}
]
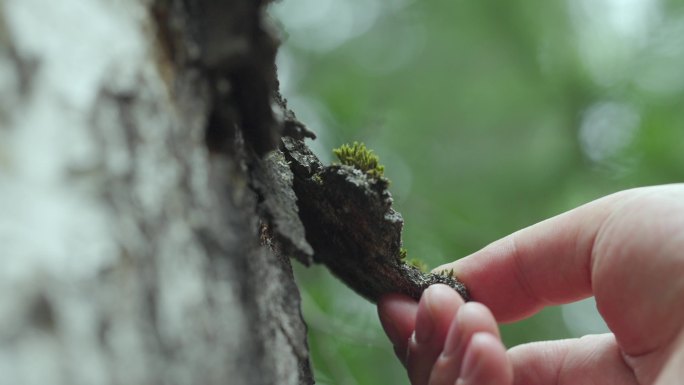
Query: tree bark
[
  {"x": 153, "y": 187},
  {"x": 129, "y": 223}
]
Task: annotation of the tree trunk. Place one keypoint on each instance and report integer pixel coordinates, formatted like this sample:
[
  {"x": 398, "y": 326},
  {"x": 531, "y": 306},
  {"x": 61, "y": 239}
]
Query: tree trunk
[{"x": 134, "y": 204}]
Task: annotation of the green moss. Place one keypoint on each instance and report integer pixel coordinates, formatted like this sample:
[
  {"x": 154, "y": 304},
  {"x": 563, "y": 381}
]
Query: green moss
[
  {"x": 415, "y": 262},
  {"x": 447, "y": 273},
  {"x": 317, "y": 178},
  {"x": 360, "y": 157},
  {"x": 418, "y": 264}
]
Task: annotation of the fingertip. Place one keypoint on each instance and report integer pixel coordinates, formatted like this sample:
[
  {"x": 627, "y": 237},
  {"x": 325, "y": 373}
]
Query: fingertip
[
  {"x": 483, "y": 343},
  {"x": 397, "y": 315},
  {"x": 471, "y": 318},
  {"x": 438, "y": 305},
  {"x": 437, "y": 308},
  {"x": 396, "y": 304},
  {"x": 485, "y": 361},
  {"x": 393, "y": 302},
  {"x": 440, "y": 298},
  {"x": 478, "y": 316}
]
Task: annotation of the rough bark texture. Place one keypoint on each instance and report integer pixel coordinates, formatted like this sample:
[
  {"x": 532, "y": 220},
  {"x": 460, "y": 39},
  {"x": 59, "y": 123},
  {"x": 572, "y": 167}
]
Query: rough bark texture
[
  {"x": 129, "y": 235},
  {"x": 353, "y": 229}
]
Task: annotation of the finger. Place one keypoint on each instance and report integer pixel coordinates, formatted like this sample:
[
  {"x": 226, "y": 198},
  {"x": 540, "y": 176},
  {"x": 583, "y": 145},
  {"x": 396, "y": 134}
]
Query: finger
[
  {"x": 547, "y": 263},
  {"x": 397, "y": 315},
  {"x": 624, "y": 247},
  {"x": 436, "y": 310},
  {"x": 470, "y": 319},
  {"x": 673, "y": 371},
  {"x": 594, "y": 359},
  {"x": 486, "y": 362}
]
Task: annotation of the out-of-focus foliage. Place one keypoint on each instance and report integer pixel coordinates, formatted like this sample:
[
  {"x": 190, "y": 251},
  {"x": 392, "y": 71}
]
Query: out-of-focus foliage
[{"x": 489, "y": 116}]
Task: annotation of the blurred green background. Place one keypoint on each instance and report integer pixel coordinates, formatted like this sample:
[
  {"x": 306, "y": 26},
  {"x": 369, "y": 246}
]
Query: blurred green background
[{"x": 489, "y": 116}]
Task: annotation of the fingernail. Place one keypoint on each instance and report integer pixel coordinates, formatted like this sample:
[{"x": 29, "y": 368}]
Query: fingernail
[
  {"x": 469, "y": 368},
  {"x": 432, "y": 299},
  {"x": 454, "y": 340},
  {"x": 453, "y": 343},
  {"x": 425, "y": 321}
]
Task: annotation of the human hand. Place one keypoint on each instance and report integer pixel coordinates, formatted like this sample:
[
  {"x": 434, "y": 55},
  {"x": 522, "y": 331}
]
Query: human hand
[{"x": 627, "y": 250}]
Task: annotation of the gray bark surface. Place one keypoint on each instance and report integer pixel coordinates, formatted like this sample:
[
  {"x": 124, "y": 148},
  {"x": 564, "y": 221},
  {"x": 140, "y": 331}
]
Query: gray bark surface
[{"x": 130, "y": 242}]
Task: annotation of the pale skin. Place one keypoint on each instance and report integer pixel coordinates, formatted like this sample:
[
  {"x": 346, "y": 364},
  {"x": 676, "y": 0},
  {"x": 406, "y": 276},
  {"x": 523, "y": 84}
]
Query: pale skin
[{"x": 626, "y": 250}]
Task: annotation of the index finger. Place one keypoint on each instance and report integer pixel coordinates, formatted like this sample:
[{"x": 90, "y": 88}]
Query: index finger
[{"x": 545, "y": 264}]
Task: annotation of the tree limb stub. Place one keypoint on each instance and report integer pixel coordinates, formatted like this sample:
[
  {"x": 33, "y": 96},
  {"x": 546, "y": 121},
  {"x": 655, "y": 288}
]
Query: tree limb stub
[{"x": 353, "y": 229}]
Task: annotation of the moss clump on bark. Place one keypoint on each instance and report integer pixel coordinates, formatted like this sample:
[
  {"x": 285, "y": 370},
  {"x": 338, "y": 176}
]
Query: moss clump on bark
[{"x": 360, "y": 157}]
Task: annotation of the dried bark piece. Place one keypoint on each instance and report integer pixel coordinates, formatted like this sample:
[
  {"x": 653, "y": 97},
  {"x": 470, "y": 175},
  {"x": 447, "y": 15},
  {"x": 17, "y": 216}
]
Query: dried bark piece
[{"x": 353, "y": 229}]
